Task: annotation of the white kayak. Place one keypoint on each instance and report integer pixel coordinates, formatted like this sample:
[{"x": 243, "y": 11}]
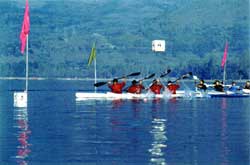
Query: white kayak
[
  {"x": 165, "y": 95},
  {"x": 242, "y": 93},
  {"x": 111, "y": 96},
  {"x": 247, "y": 91}
]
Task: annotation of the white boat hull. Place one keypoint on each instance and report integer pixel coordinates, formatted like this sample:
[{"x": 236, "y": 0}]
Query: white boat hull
[
  {"x": 247, "y": 91},
  {"x": 111, "y": 96},
  {"x": 179, "y": 94}
]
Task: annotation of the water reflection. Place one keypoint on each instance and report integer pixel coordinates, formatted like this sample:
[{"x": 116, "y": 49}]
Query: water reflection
[
  {"x": 117, "y": 103},
  {"x": 195, "y": 132},
  {"x": 159, "y": 141},
  {"x": 23, "y": 150},
  {"x": 224, "y": 137},
  {"x": 159, "y": 138}
]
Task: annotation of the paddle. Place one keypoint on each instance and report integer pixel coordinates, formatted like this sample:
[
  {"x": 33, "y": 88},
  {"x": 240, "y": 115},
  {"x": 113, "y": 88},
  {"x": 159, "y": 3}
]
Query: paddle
[
  {"x": 161, "y": 76},
  {"x": 147, "y": 77},
  {"x": 98, "y": 84},
  {"x": 183, "y": 76},
  {"x": 196, "y": 78},
  {"x": 166, "y": 73}
]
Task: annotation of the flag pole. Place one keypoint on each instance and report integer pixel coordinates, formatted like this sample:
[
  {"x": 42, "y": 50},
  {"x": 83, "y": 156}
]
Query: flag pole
[
  {"x": 27, "y": 64},
  {"x": 95, "y": 73},
  {"x": 224, "y": 73},
  {"x": 91, "y": 58},
  {"x": 20, "y": 98},
  {"x": 224, "y": 63}
]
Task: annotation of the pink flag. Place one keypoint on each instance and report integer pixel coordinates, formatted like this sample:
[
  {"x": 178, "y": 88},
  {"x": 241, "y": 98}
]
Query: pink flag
[
  {"x": 223, "y": 62},
  {"x": 25, "y": 28}
]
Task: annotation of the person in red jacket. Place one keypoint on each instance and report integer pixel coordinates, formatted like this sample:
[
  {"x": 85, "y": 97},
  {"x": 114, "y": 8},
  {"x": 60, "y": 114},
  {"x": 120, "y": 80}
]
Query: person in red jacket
[
  {"x": 172, "y": 87},
  {"x": 136, "y": 87},
  {"x": 116, "y": 87},
  {"x": 156, "y": 87}
]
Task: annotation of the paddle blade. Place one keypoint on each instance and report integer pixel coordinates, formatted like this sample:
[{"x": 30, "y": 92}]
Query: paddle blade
[
  {"x": 195, "y": 77},
  {"x": 163, "y": 75},
  {"x": 150, "y": 76},
  {"x": 185, "y": 76},
  {"x": 166, "y": 73},
  {"x": 134, "y": 74},
  {"x": 100, "y": 84}
]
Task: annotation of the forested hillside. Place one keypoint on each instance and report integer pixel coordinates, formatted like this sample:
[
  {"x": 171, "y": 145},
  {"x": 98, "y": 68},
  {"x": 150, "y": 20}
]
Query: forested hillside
[{"x": 63, "y": 31}]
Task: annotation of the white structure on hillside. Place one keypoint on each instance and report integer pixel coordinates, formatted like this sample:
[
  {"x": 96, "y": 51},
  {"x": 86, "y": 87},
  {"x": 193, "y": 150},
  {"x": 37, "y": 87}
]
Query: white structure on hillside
[{"x": 158, "y": 45}]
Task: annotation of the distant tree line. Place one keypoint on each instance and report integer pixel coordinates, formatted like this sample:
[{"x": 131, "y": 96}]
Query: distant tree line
[{"x": 62, "y": 35}]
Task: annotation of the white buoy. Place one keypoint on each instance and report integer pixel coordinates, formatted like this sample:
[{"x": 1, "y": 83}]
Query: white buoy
[{"x": 20, "y": 99}]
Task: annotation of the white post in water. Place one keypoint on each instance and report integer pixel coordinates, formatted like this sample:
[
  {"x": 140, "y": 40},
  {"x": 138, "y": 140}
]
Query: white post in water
[{"x": 20, "y": 98}]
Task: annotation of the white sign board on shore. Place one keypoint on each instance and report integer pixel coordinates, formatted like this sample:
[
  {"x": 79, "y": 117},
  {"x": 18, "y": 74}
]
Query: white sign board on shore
[{"x": 158, "y": 45}]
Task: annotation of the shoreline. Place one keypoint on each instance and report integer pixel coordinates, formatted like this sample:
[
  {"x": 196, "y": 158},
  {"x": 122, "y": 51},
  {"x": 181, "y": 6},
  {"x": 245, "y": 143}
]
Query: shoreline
[{"x": 47, "y": 78}]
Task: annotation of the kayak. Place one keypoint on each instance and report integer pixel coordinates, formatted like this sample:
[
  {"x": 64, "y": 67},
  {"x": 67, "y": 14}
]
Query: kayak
[
  {"x": 110, "y": 95},
  {"x": 229, "y": 94},
  {"x": 179, "y": 94},
  {"x": 246, "y": 91}
]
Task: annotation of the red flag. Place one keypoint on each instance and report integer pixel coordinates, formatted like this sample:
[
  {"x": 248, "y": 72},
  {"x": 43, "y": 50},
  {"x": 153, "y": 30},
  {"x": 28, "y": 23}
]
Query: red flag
[
  {"x": 25, "y": 28},
  {"x": 223, "y": 62}
]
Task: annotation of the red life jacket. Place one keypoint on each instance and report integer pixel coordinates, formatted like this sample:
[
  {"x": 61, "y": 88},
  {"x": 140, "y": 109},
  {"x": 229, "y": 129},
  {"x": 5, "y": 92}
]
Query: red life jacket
[
  {"x": 135, "y": 89},
  {"x": 117, "y": 88},
  {"x": 156, "y": 88},
  {"x": 173, "y": 87}
]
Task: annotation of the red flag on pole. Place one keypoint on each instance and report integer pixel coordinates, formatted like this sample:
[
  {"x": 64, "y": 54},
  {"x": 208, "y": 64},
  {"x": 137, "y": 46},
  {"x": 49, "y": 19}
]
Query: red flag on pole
[
  {"x": 224, "y": 59},
  {"x": 25, "y": 27}
]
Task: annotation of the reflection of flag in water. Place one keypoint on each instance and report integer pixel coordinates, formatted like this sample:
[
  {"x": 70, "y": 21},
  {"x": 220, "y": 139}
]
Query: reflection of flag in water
[
  {"x": 224, "y": 59},
  {"x": 92, "y": 54},
  {"x": 25, "y": 27},
  {"x": 23, "y": 136}
]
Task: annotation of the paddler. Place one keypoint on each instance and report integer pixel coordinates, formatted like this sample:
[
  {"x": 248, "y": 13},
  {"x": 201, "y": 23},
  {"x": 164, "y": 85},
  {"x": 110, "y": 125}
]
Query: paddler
[
  {"x": 233, "y": 87},
  {"x": 172, "y": 87},
  {"x": 202, "y": 86},
  {"x": 136, "y": 87},
  {"x": 247, "y": 85},
  {"x": 115, "y": 86},
  {"x": 156, "y": 87},
  {"x": 218, "y": 86}
]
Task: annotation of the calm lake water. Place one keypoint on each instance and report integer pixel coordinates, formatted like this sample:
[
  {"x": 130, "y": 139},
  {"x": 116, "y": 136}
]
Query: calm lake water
[{"x": 55, "y": 129}]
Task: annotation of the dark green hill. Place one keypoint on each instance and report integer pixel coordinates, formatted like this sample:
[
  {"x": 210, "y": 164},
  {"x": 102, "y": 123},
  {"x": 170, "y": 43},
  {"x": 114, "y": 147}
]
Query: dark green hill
[{"x": 62, "y": 33}]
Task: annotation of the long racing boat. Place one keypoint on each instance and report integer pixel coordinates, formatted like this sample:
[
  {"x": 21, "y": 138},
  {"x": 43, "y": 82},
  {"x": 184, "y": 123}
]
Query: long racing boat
[{"x": 165, "y": 95}]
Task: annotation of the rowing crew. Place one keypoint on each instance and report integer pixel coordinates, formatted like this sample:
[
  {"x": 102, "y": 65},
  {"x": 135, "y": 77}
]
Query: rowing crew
[
  {"x": 157, "y": 87},
  {"x": 218, "y": 86},
  {"x": 137, "y": 87}
]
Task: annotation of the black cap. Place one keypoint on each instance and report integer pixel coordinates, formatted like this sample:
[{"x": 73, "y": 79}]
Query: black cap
[
  {"x": 216, "y": 81},
  {"x": 134, "y": 82},
  {"x": 115, "y": 80}
]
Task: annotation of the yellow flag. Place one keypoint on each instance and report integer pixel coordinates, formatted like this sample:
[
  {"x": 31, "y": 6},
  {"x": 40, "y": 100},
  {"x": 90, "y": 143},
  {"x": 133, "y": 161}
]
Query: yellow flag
[{"x": 92, "y": 54}]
